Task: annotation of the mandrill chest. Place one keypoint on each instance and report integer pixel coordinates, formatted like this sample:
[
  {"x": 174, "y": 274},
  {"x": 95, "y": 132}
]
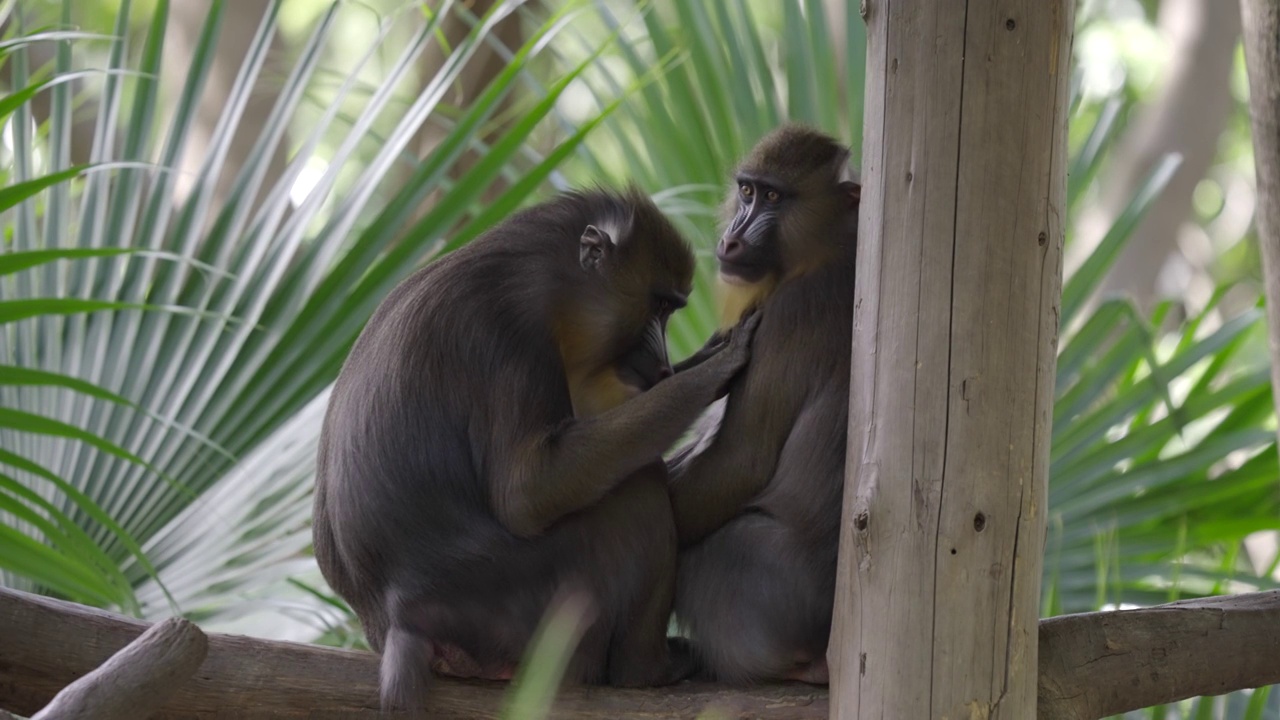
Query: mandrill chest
[
  {"x": 595, "y": 392},
  {"x": 593, "y": 381},
  {"x": 737, "y": 298},
  {"x": 593, "y": 349}
]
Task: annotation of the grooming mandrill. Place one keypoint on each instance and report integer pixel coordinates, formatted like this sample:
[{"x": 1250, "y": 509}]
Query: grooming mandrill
[
  {"x": 757, "y": 495},
  {"x": 487, "y": 445}
]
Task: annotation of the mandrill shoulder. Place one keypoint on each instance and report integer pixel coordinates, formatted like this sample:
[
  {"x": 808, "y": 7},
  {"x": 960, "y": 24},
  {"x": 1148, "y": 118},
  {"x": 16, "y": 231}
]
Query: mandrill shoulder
[
  {"x": 817, "y": 302},
  {"x": 808, "y": 317}
]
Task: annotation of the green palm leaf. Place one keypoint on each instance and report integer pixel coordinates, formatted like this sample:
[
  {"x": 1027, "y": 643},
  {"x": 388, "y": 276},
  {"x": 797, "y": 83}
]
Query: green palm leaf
[{"x": 197, "y": 332}]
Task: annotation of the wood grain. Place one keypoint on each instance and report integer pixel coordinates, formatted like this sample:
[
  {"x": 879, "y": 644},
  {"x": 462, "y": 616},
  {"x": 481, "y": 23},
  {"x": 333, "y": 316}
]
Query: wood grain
[
  {"x": 1095, "y": 665},
  {"x": 954, "y": 351},
  {"x": 1261, "y": 35},
  {"x": 137, "y": 680},
  {"x": 46, "y": 644}
]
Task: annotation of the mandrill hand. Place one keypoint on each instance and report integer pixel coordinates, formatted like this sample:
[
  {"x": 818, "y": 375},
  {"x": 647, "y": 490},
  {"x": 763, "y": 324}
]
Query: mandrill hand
[{"x": 732, "y": 355}]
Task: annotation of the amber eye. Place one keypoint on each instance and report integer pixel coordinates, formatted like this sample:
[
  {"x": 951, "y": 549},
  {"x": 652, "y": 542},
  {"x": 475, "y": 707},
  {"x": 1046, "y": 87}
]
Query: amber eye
[
  {"x": 772, "y": 196},
  {"x": 745, "y": 190}
]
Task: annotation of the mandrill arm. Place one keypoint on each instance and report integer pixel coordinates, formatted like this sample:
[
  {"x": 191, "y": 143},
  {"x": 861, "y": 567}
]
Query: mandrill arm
[
  {"x": 539, "y": 477},
  {"x": 711, "y": 487}
]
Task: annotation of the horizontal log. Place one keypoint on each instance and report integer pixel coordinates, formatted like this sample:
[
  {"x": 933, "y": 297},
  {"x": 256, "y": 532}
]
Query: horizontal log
[
  {"x": 135, "y": 682},
  {"x": 1095, "y": 665},
  {"x": 46, "y": 644},
  {"x": 1091, "y": 665}
]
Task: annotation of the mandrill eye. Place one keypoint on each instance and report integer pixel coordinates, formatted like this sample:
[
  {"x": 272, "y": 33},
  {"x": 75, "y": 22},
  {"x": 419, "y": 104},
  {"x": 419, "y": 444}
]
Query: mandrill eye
[
  {"x": 772, "y": 196},
  {"x": 745, "y": 189}
]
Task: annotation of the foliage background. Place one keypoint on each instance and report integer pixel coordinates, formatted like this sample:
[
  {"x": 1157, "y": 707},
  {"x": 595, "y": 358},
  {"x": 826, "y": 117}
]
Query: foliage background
[{"x": 203, "y": 201}]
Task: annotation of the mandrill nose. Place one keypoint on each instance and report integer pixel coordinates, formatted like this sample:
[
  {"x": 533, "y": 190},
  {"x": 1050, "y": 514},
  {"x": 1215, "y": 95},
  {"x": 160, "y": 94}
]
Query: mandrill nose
[{"x": 731, "y": 248}]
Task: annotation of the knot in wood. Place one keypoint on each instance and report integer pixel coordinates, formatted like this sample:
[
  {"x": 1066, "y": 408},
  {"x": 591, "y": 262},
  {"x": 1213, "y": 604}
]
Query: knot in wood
[
  {"x": 1043, "y": 238},
  {"x": 1010, "y": 25},
  {"x": 980, "y": 522},
  {"x": 861, "y": 521}
]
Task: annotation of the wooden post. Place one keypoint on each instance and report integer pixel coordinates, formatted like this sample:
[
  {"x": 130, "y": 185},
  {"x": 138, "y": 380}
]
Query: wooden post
[
  {"x": 1262, "y": 62},
  {"x": 954, "y": 352}
]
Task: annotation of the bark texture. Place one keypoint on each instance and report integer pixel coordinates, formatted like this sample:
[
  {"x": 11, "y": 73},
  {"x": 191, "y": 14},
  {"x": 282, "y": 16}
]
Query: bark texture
[
  {"x": 136, "y": 681},
  {"x": 1093, "y": 665},
  {"x": 1262, "y": 61},
  {"x": 954, "y": 351},
  {"x": 46, "y": 644}
]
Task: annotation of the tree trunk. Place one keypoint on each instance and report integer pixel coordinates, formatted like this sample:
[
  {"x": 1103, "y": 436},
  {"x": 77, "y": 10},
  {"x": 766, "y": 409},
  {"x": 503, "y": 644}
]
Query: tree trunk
[
  {"x": 1262, "y": 60},
  {"x": 1187, "y": 117},
  {"x": 954, "y": 350},
  {"x": 240, "y": 23},
  {"x": 479, "y": 72}
]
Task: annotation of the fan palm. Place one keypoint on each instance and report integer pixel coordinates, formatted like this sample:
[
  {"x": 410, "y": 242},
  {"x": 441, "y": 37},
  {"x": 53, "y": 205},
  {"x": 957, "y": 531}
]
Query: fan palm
[{"x": 166, "y": 358}]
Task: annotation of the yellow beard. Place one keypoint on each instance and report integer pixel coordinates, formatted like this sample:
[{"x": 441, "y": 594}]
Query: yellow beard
[
  {"x": 738, "y": 298},
  {"x": 594, "y": 387},
  {"x": 594, "y": 393}
]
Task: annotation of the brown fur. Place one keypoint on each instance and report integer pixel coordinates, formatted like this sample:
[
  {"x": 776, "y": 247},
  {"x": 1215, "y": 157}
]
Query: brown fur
[
  {"x": 482, "y": 453},
  {"x": 599, "y": 392},
  {"x": 757, "y": 494},
  {"x": 737, "y": 300}
]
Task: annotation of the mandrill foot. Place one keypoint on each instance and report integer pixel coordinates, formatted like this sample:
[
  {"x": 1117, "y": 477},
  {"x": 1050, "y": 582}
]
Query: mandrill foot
[
  {"x": 814, "y": 673},
  {"x": 453, "y": 661}
]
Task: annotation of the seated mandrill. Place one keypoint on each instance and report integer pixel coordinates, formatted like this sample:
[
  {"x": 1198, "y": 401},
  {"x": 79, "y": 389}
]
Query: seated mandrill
[
  {"x": 488, "y": 445},
  {"x": 757, "y": 492}
]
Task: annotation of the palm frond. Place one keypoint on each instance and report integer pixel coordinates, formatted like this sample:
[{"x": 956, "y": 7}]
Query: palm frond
[{"x": 170, "y": 353}]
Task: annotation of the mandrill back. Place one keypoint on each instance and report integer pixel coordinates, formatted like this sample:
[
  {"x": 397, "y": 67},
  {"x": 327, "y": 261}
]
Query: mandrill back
[{"x": 494, "y": 439}]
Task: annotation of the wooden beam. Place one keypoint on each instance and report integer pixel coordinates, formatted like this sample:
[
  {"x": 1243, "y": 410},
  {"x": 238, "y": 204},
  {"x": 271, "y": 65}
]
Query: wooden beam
[
  {"x": 954, "y": 349},
  {"x": 138, "y": 680},
  {"x": 46, "y": 644},
  {"x": 1093, "y": 665}
]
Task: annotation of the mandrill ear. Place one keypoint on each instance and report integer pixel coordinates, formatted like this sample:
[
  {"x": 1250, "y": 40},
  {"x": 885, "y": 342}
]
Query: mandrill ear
[
  {"x": 595, "y": 246},
  {"x": 853, "y": 191},
  {"x": 850, "y": 182}
]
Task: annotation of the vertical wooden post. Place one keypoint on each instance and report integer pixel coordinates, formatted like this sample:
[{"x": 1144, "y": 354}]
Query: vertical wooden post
[
  {"x": 954, "y": 352},
  {"x": 1262, "y": 62}
]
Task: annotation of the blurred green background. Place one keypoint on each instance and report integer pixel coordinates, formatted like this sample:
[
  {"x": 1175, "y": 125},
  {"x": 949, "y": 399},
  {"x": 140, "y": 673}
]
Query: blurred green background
[{"x": 203, "y": 201}]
